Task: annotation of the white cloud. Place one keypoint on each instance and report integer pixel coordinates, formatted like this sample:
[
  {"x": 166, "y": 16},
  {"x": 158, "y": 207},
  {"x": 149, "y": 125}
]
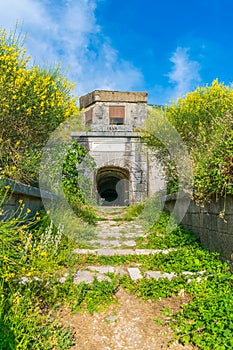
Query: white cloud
[
  {"x": 27, "y": 11},
  {"x": 184, "y": 74},
  {"x": 67, "y": 32},
  {"x": 183, "y": 77}
]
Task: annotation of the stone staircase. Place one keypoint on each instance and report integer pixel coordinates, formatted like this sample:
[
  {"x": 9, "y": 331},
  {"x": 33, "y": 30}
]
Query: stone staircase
[{"x": 118, "y": 237}]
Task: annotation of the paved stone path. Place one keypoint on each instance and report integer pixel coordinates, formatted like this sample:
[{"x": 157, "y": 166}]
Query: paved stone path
[
  {"x": 130, "y": 322},
  {"x": 114, "y": 237}
]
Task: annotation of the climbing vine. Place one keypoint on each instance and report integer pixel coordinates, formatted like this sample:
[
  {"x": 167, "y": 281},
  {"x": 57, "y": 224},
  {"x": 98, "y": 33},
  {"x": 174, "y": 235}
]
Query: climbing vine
[{"x": 77, "y": 183}]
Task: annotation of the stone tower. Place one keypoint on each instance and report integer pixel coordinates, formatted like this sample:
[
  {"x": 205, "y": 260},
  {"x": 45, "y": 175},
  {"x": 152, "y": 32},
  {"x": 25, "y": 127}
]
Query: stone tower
[{"x": 125, "y": 173}]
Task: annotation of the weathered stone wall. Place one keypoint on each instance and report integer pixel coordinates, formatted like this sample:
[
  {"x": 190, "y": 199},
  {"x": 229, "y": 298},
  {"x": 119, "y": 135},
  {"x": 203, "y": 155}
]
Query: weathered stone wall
[
  {"x": 109, "y": 96},
  {"x": 211, "y": 222},
  {"x": 31, "y": 197},
  {"x": 113, "y": 146},
  {"x": 114, "y": 118},
  {"x": 135, "y": 112}
]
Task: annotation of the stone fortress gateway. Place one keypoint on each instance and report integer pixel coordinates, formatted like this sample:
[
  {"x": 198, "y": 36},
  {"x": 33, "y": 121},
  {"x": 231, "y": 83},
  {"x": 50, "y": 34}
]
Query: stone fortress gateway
[{"x": 125, "y": 173}]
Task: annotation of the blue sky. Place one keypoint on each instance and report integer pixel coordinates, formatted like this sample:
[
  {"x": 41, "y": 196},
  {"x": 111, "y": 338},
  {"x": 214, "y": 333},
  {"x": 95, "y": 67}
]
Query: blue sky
[{"x": 164, "y": 47}]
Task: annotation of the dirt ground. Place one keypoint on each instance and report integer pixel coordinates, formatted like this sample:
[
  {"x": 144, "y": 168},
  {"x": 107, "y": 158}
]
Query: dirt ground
[{"x": 128, "y": 324}]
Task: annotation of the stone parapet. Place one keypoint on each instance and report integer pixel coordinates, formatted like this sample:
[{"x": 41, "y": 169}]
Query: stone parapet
[
  {"x": 32, "y": 199},
  {"x": 212, "y": 222},
  {"x": 110, "y": 96}
]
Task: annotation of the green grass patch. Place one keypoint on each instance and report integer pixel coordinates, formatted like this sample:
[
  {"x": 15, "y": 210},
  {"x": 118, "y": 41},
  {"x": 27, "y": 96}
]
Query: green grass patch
[
  {"x": 34, "y": 255},
  {"x": 133, "y": 211},
  {"x": 158, "y": 238}
]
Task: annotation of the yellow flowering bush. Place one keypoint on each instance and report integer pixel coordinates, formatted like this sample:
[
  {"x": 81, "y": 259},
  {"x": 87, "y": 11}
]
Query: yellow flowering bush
[
  {"x": 204, "y": 121},
  {"x": 33, "y": 102},
  {"x": 200, "y": 114}
]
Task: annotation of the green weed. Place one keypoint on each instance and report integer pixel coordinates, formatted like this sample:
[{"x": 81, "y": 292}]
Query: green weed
[
  {"x": 133, "y": 211},
  {"x": 159, "y": 238}
]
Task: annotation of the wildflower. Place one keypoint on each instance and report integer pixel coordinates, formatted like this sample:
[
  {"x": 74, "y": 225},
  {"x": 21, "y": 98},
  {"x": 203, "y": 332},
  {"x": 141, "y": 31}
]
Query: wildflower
[
  {"x": 16, "y": 299},
  {"x": 8, "y": 276},
  {"x": 17, "y": 144},
  {"x": 28, "y": 210},
  {"x": 20, "y": 201}
]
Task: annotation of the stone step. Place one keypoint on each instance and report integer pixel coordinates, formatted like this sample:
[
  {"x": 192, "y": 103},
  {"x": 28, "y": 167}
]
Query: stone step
[
  {"x": 122, "y": 252},
  {"x": 88, "y": 274},
  {"x": 105, "y": 243},
  {"x": 134, "y": 273},
  {"x": 119, "y": 235},
  {"x": 88, "y": 277}
]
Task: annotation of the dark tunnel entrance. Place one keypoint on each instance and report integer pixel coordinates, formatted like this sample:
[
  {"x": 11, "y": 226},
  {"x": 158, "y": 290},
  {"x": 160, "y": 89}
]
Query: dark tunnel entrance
[{"x": 113, "y": 186}]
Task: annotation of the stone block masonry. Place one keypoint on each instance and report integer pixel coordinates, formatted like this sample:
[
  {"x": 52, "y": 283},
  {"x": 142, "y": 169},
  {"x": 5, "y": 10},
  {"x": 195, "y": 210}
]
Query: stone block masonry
[
  {"x": 212, "y": 222},
  {"x": 31, "y": 197},
  {"x": 109, "y": 96},
  {"x": 125, "y": 171}
]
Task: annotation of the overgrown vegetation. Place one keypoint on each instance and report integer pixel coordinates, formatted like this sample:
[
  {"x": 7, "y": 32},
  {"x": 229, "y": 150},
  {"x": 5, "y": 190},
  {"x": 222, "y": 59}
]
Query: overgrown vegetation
[
  {"x": 37, "y": 264},
  {"x": 77, "y": 184},
  {"x": 158, "y": 238},
  {"x": 203, "y": 119},
  {"x": 133, "y": 211},
  {"x": 33, "y": 102},
  {"x": 36, "y": 253},
  {"x": 206, "y": 321}
]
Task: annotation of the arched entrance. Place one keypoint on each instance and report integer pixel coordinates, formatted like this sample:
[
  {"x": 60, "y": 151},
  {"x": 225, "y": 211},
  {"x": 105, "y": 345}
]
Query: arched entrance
[{"x": 113, "y": 186}]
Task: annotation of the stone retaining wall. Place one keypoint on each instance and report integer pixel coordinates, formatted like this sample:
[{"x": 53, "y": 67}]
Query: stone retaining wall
[
  {"x": 211, "y": 222},
  {"x": 32, "y": 198}
]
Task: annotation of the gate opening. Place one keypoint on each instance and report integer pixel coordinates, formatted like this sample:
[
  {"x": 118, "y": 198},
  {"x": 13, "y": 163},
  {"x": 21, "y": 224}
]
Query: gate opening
[{"x": 113, "y": 186}]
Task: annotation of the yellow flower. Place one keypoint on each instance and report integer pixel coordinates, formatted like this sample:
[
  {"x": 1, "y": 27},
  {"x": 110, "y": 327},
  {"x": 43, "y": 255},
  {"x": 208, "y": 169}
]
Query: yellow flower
[
  {"x": 17, "y": 143},
  {"x": 28, "y": 210},
  {"x": 16, "y": 299}
]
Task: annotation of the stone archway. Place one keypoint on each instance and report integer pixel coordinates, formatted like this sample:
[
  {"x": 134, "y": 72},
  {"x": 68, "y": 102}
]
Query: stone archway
[{"x": 113, "y": 186}]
